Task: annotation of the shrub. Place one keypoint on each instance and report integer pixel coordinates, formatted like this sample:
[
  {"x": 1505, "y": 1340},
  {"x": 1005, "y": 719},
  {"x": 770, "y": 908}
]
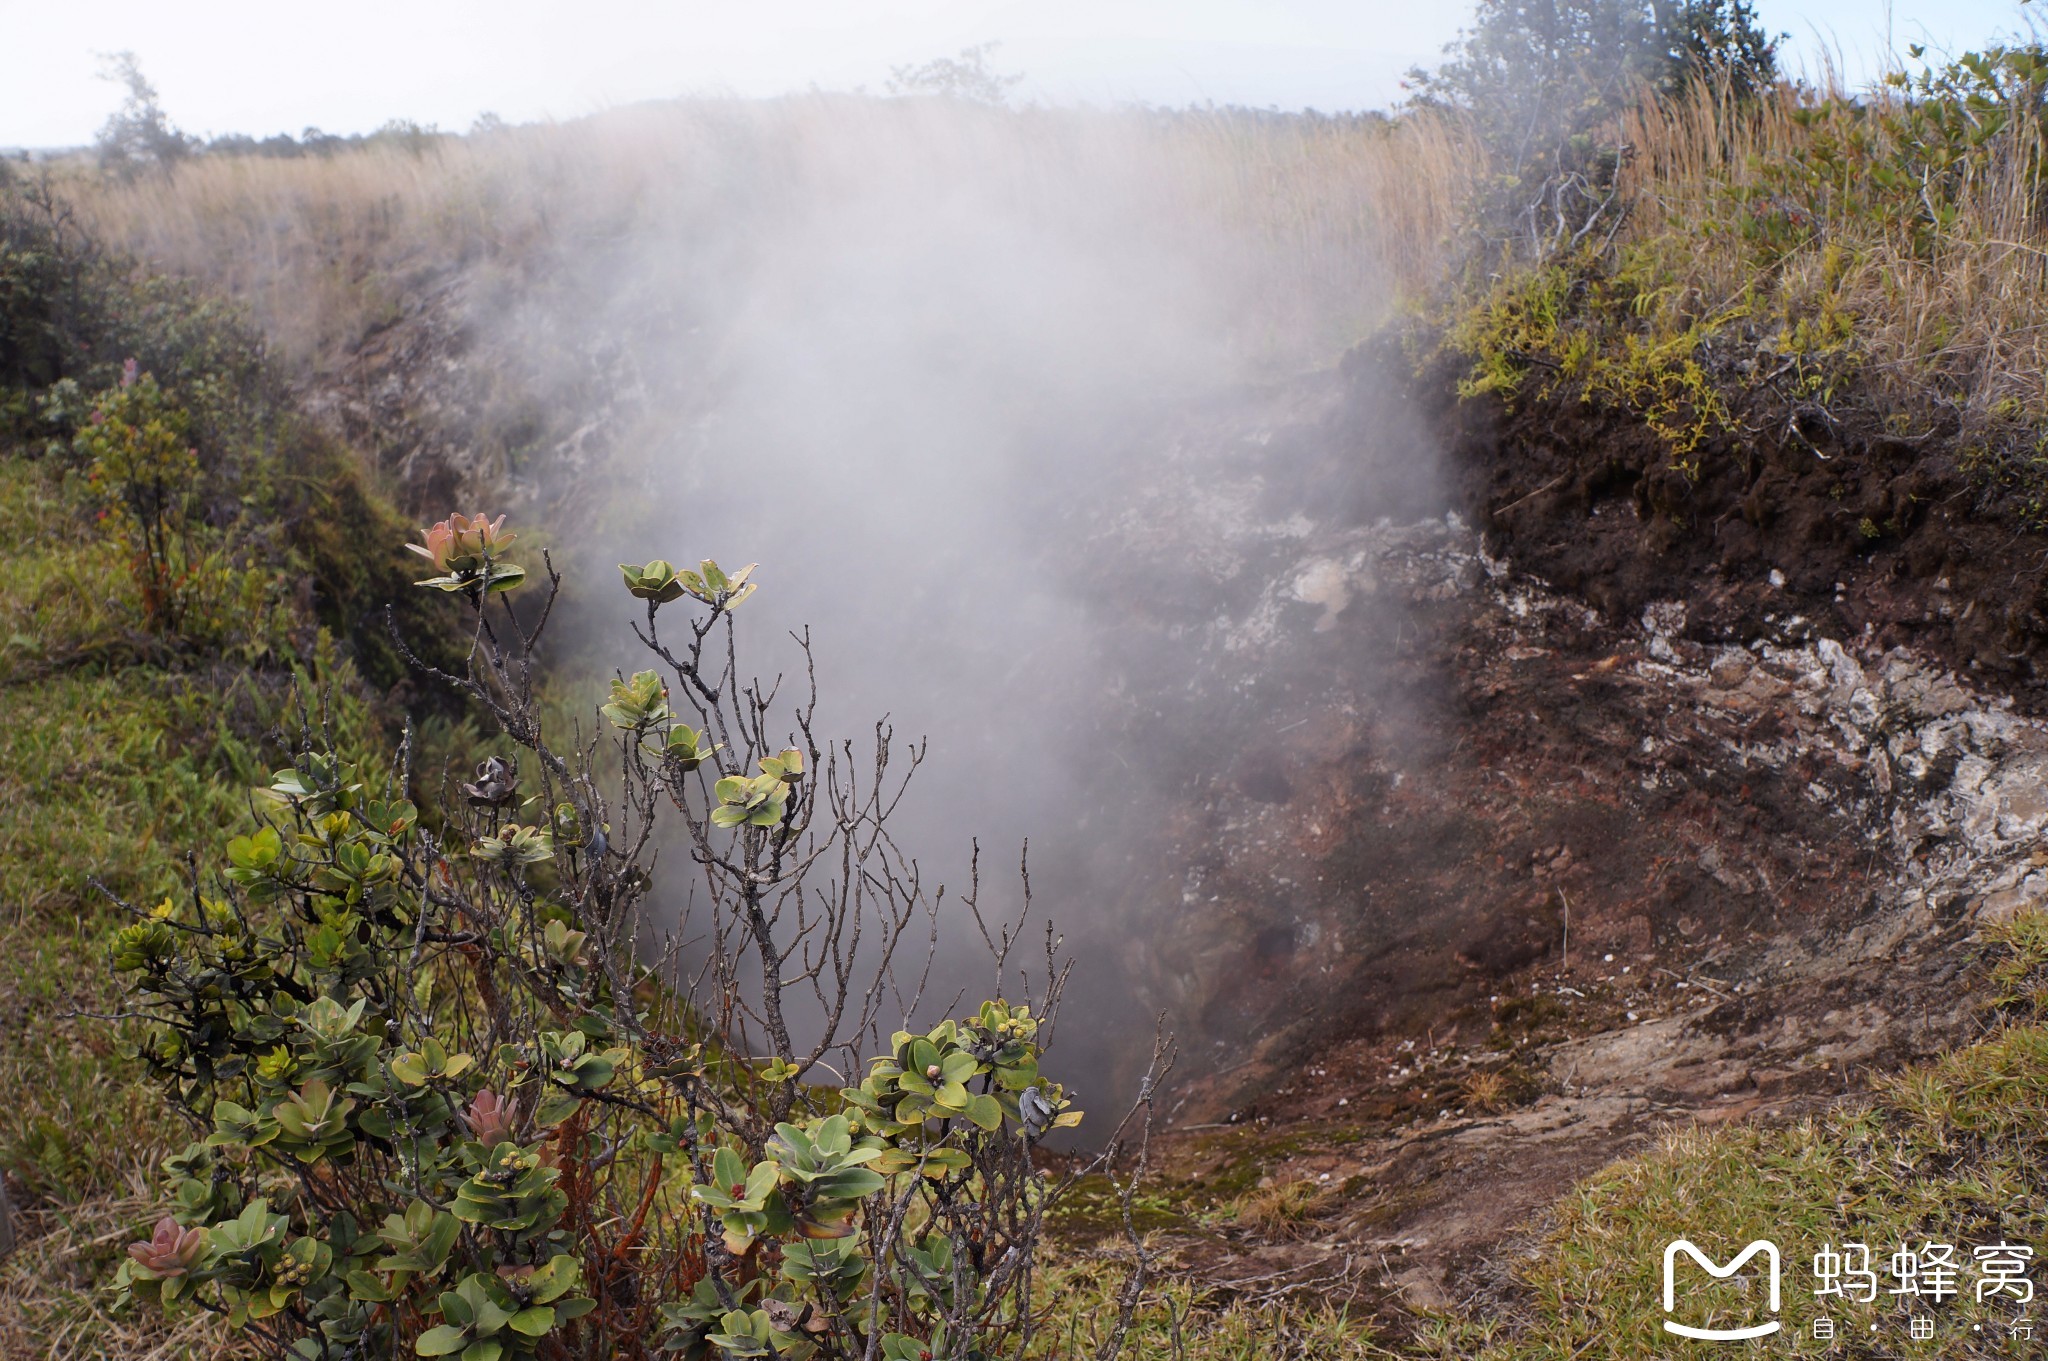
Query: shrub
[
  {"x": 449, "y": 1104},
  {"x": 238, "y": 518},
  {"x": 146, "y": 475},
  {"x": 1540, "y": 80},
  {"x": 1831, "y": 271}
]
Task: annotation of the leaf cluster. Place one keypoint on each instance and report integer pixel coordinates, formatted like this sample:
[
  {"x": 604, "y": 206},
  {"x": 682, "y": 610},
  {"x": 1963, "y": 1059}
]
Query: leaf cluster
[{"x": 442, "y": 1107}]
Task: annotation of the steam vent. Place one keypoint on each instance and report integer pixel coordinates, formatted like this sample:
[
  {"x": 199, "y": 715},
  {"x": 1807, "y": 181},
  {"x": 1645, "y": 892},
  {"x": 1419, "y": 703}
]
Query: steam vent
[{"x": 1024, "y": 683}]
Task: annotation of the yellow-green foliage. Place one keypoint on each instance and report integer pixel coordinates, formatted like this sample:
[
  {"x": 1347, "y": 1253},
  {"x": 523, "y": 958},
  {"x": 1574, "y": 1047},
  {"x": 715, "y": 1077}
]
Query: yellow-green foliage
[{"x": 1579, "y": 331}]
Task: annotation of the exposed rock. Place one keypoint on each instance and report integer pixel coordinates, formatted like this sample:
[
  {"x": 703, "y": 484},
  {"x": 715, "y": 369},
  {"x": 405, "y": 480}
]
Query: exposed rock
[{"x": 1672, "y": 876}]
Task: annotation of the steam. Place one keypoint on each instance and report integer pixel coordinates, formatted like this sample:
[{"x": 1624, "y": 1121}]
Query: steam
[{"x": 930, "y": 364}]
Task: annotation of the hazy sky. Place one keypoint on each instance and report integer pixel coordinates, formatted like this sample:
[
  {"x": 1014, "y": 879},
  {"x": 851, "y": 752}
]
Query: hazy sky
[{"x": 245, "y": 66}]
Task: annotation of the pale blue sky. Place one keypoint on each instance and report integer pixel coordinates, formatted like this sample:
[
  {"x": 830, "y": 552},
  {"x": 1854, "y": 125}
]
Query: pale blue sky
[{"x": 264, "y": 66}]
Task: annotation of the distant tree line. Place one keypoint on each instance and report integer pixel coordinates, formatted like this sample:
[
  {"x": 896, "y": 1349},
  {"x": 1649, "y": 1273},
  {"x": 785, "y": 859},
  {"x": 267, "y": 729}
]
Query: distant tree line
[
  {"x": 140, "y": 136},
  {"x": 1534, "y": 76}
]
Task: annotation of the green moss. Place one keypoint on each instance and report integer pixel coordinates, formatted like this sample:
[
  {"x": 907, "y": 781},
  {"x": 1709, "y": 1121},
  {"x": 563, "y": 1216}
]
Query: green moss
[{"x": 1093, "y": 1209}]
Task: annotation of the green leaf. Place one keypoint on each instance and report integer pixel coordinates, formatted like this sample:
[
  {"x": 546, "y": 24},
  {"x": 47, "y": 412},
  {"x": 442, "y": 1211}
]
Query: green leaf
[
  {"x": 363, "y": 1286},
  {"x": 534, "y": 1321},
  {"x": 985, "y": 1112},
  {"x": 554, "y": 1279},
  {"x": 255, "y": 852},
  {"x": 445, "y": 1340},
  {"x": 855, "y": 1183},
  {"x": 762, "y": 1180},
  {"x": 457, "y": 1309},
  {"x": 503, "y": 577}
]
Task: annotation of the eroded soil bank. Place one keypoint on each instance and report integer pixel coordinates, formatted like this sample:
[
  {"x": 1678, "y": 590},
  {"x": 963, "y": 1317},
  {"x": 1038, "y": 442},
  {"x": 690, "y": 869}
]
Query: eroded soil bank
[{"x": 1592, "y": 803}]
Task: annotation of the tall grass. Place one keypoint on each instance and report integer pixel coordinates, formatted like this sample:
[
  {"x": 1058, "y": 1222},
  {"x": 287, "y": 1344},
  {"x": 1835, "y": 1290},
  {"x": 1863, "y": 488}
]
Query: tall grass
[
  {"x": 1803, "y": 266},
  {"x": 1807, "y": 207},
  {"x": 1320, "y": 226}
]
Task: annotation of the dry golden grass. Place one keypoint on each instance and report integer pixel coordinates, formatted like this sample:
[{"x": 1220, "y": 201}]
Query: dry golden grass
[
  {"x": 1321, "y": 227},
  {"x": 53, "y": 1299},
  {"x": 1487, "y": 1091},
  {"x": 1948, "y": 313},
  {"x": 1282, "y": 1209}
]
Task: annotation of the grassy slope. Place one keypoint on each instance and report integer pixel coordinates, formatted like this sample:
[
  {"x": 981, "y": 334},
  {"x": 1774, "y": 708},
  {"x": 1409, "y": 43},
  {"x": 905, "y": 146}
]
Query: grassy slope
[
  {"x": 115, "y": 765},
  {"x": 123, "y": 750},
  {"x": 1949, "y": 1151},
  {"x": 98, "y": 779}
]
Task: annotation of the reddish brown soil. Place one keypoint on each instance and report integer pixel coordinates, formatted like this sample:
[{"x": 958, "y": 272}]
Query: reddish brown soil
[
  {"x": 1370, "y": 947},
  {"x": 1898, "y": 543}
]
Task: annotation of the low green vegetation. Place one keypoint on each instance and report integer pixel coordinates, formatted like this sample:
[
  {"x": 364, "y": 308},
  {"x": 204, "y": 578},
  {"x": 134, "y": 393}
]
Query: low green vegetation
[
  {"x": 183, "y": 624},
  {"x": 446, "y": 1109},
  {"x": 435, "y": 985},
  {"x": 177, "y": 575},
  {"x": 1188, "y": 1322}
]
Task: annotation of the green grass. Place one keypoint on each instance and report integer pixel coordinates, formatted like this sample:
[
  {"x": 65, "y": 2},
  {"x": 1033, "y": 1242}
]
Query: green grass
[
  {"x": 1079, "y": 1297},
  {"x": 113, "y": 766},
  {"x": 58, "y": 597},
  {"x": 93, "y": 784}
]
